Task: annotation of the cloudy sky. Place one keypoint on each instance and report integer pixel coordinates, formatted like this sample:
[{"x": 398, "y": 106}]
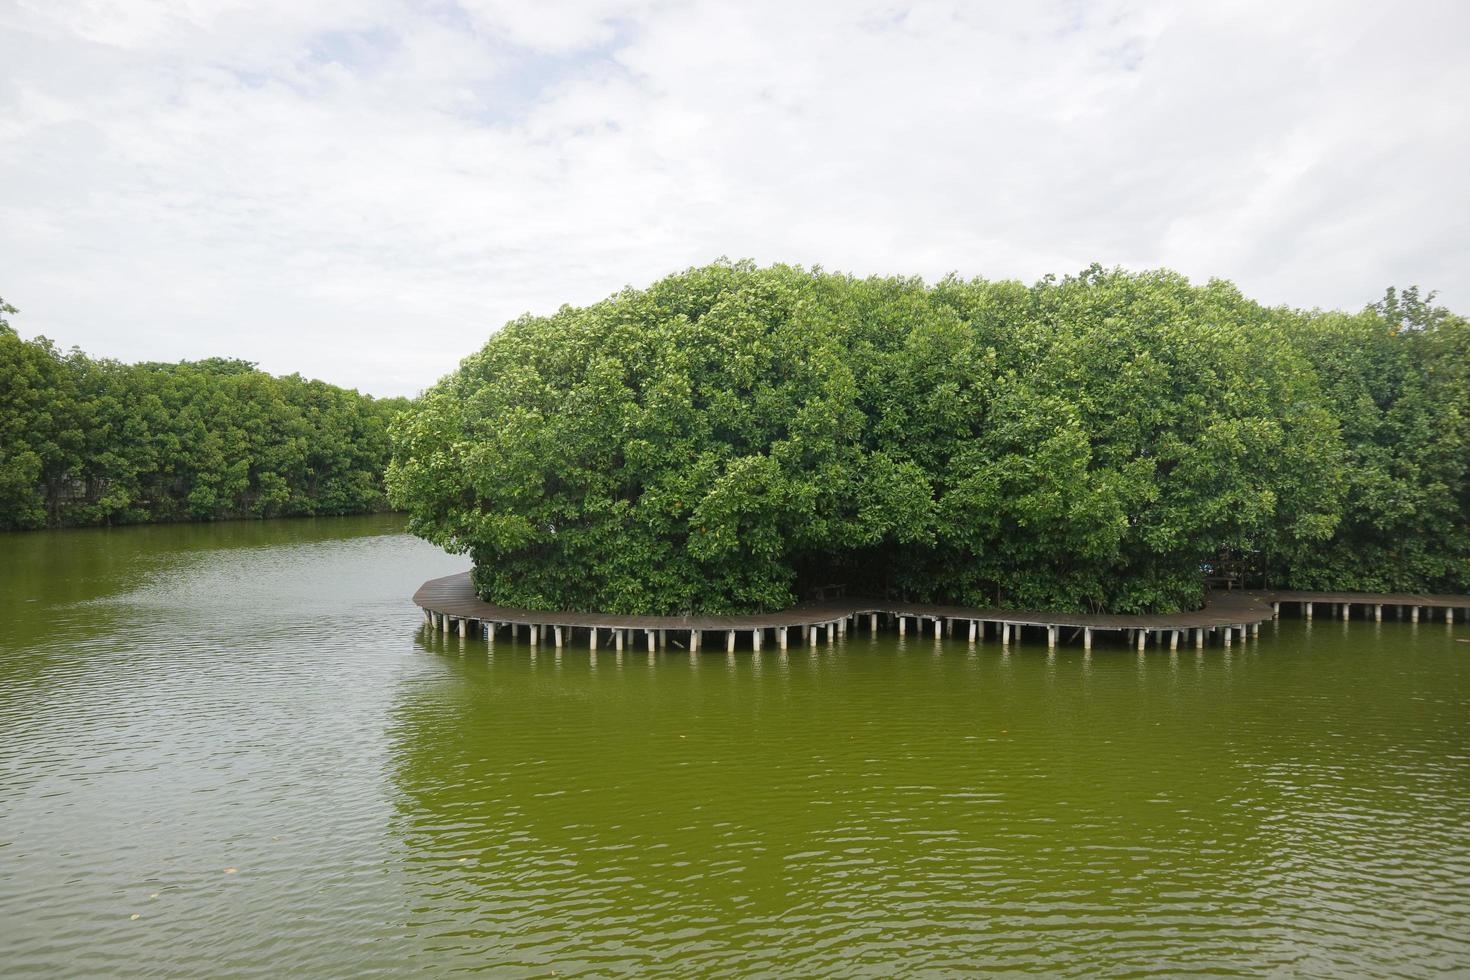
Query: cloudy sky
[{"x": 363, "y": 191}]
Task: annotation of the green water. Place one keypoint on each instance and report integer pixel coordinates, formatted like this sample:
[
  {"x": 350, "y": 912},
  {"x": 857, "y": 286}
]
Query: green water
[{"x": 179, "y": 701}]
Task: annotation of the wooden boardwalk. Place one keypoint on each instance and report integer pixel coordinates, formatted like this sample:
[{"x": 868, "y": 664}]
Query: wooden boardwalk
[
  {"x": 1369, "y": 603},
  {"x": 450, "y": 605}
]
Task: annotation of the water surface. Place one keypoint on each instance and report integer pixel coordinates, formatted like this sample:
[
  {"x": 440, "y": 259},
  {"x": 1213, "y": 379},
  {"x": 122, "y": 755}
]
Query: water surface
[{"x": 230, "y": 748}]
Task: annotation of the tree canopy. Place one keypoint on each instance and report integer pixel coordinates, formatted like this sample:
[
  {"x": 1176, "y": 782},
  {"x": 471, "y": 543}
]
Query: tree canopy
[
  {"x": 86, "y": 441},
  {"x": 732, "y": 436}
]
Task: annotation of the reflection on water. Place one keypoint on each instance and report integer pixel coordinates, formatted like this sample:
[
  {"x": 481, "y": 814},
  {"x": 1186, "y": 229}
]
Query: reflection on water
[{"x": 238, "y": 734}]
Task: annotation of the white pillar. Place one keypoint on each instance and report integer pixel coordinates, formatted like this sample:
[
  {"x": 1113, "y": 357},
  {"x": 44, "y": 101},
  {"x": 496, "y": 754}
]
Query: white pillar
[
  {"x": 1228, "y": 631},
  {"x": 1142, "y": 638},
  {"x": 842, "y": 626},
  {"x": 1005, "y": 632},
  {"x": 902, "y": 626},
  {"x": 1449, "y": 614},
  {"x": 1275, "y": 610},
  {"x": 1051, "y": 636},
  {"x": 972, "y": 631},
  {"x": 1307, "y": 610},
  {"x": 558, "y": 637},
  {"x": 1346, "y": 610},
  {"x": 1087, "y": 637},
  {"x": 694, "y": 641},
  {"x": 781, "y": 637},
  {"x": 1199, "y": 638},
  {"x": 1378, "y": 613},
  {"x": 592, "y": 639},
  {"x": 618, "y": 640},
  {"x": 1173, "y": 639},
  {"x": 535, "y": 635},
  {"x": 1414, "y": 615},
  {"x": 729, "y": 641},
  {"x": 756, "y": 636},
  {"x": 811, "y": 635},
  {"x": 873, "y": 623}
]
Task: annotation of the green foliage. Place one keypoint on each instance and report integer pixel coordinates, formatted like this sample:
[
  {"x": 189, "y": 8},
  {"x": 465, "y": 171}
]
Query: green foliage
[
  {"x": 86, "y": 441},
  {"x": 732, "y": 436},
  {"x": 1398, "y": 375}
]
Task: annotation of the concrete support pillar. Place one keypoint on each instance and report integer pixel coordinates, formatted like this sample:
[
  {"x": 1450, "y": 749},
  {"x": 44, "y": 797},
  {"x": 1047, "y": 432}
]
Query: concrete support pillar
[
  {"x": 1142, "y": 638},
  {"x": 1378, "y": 613},
  {"x": 842, "y": 626},
  {"x": 1275, "y": 610},
  {"x": 694, "y": 641},
  {"x": 729, "y": 641},
  {"x": 832, "y": 629},
  {"x": 902, "y": 626},
  {"x": 873, "y": 623},
  {"x": 558, "y": 637},
  {"x": 1306, "y": 610},
  {"x": 1414, "y": 615},
  {"x": 756, "y": 636},
  {"x": 592, "y": 638},
  {"x": 781, "y": 637},
  {"x": 811, "y": 635},
  {"x": 1199, "y": 638},
  {"x": 1449, "y": 615},
  {"x": 663, "y": 639},
  {"x": 618, "y": 640},
  {"x": 972, "y": 631},
  {"x": 1228, "y": 631},
  {"x": 1256, "y": 630},
  {"x": 1173, "y": 639},
  {"x": 1346, "y": 610},
  {"x": 651, "y": 638},
  {"x": 1005, "y": 632},
  {"x": 1087, "y": 637},
  {"x": 535, "y": 635},
  {"x": 1051, "y": 636},
  {"x": 444, "y": 624}
]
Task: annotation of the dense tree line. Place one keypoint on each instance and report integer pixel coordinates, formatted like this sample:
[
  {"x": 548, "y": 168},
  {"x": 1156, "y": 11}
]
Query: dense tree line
[
  {"x": 733, "y": 436},
  {"x": 86, "y": 441}
]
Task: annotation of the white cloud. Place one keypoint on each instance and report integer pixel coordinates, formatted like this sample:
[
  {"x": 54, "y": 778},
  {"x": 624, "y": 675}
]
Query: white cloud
[{"x": 363, "y": 191}]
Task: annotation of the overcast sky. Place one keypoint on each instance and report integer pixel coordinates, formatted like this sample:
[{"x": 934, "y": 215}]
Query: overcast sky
[{"x": 363, "y": 191}]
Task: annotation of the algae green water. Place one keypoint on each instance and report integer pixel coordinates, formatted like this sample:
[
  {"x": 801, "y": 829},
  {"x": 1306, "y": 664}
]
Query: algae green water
[{"x": 229, "y": 749}]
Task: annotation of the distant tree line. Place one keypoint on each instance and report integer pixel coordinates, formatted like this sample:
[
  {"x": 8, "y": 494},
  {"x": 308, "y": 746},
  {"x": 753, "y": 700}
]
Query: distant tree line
[
  {"x": 733, "y": 436},
  {"x": 86, "y": 441}
]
